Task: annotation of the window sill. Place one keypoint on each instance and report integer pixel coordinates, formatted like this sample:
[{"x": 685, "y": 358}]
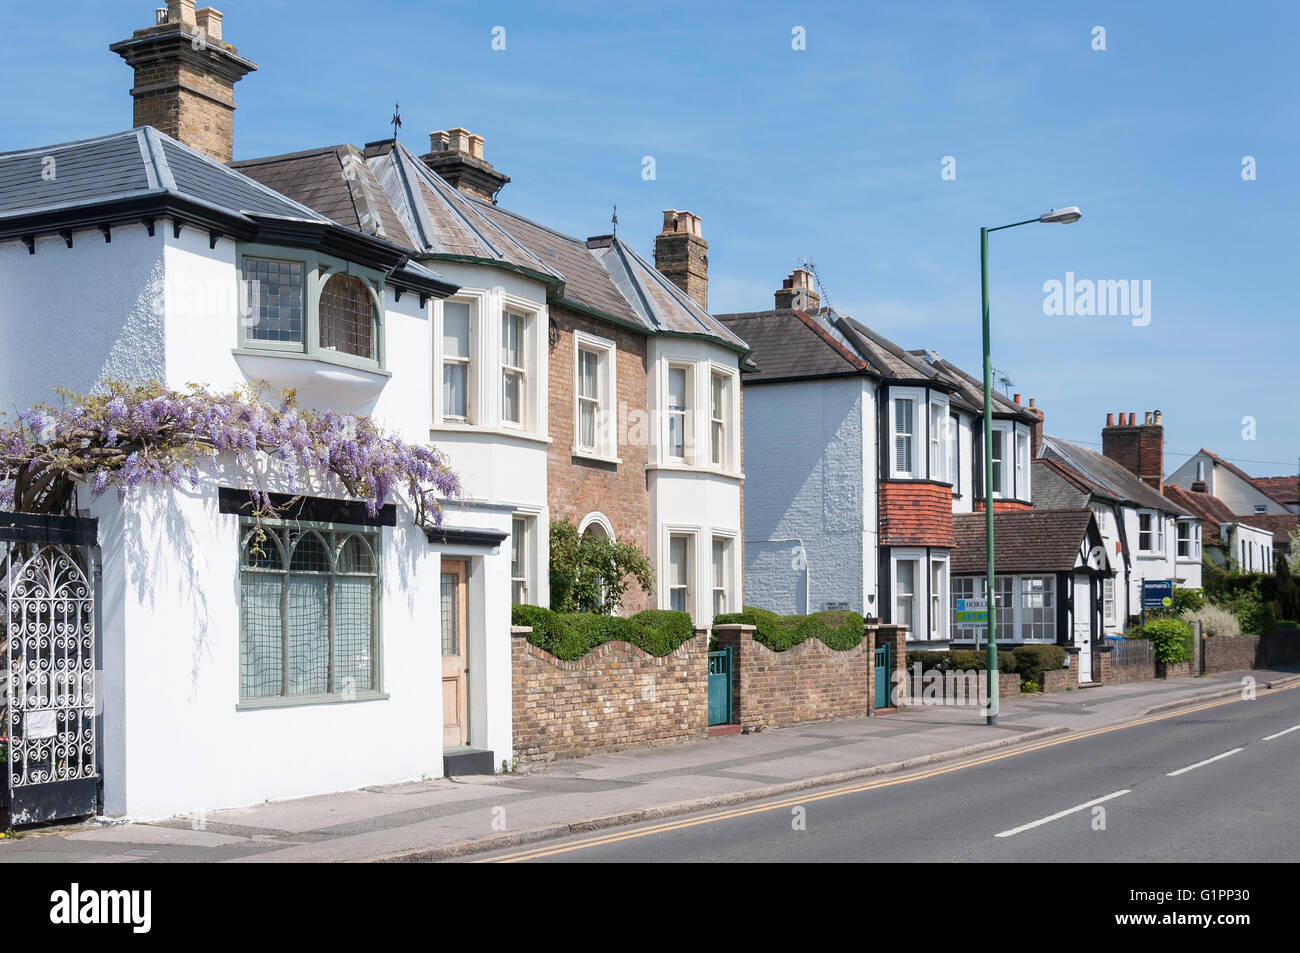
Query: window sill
[
  {"x": 299, "y": 701},
  {"x": 318, "y": 378},
  {"x": 450, "y": 426},
  {"x": 333, "y": 358},
  {"x": 590, "y": 455},
  {"x": 689, "y": 468}
]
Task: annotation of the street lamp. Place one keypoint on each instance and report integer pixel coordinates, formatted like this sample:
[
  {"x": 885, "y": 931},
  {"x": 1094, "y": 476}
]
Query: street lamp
[{"x": 1063, "y": 216}]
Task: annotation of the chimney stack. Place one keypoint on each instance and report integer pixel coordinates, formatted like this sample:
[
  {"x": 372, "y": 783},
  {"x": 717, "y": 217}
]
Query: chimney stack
[
  {"x": 682, "y": 255},
  {"x": 185, "y": 76},
  {"x": 457, "y": 155},
  {"x": 1138, "y": 448},
  {"x": 1035, "y": 430},
  {"x": 797, "y": 292}
]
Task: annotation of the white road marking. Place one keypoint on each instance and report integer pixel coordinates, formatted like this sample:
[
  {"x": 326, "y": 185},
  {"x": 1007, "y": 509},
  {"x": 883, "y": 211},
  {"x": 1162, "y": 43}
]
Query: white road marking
[
  {"x": 1060, "y": 814},
  {"x": 1281, "y": 733},
  {"x": 1201, "y": 764}
]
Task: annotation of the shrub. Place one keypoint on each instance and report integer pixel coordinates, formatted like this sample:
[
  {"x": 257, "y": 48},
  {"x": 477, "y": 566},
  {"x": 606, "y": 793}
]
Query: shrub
[
  {"x": 590, "y": 573},
  {"x": 1033, "y": 660},
  {"x": 1285, "y": 624},
  {"x": 1172, "y": 639},
  {"x": 1254, "y": 615},
  {"x": 571, "y": 635},
  {"x": 839, "y": 630},
  {"x": 1216, "y": 620}
]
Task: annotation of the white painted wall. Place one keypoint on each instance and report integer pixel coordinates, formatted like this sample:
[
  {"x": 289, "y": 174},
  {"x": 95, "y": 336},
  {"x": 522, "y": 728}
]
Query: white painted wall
[
  {"x": 694, "y": 497},
  {"x": 174, "y": 740},
  {"x": 1239, "y": 496},
  {"x": 71, "y": 317},
  {"x": 810, "y": 484}
]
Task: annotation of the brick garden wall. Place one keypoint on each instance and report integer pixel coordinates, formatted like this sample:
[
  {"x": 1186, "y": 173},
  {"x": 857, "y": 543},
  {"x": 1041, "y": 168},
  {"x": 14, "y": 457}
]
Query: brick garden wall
[
  {"x": 807, "y": 682},
  {"x": 1230, "y": 653},
  {"x": 616, "y": 696}
]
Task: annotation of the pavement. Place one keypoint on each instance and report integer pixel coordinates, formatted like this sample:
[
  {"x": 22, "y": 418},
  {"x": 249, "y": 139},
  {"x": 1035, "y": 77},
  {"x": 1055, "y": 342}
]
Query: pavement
[{"x": 459, "y": 817}]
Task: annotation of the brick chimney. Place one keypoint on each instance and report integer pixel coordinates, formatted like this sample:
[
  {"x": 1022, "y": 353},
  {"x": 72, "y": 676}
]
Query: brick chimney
[
  {"x": 1035, "y": 432},
  {"x": 185, "y": 76},
  {"x": 797, "y": 292},
  {"x": 457, "y": 155},
  {"x": 682, "y": 255},
  {"x": 1138, "y": 447}
]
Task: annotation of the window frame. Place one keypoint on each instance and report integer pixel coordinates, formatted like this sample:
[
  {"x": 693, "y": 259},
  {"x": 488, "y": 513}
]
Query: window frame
[
  {"x": 954, "y": 452},
  {"x": 727, "y": 378},
  {"x": 936, "y": 444},
  {"x": 1108, "y": 603},
  {"x": 728, "y": 574},
  {"x": 474, "y": 304},
  {"x": 327, "y": 531},
  {"x": 686, "y": 413},
  {"x": 519, "y": 370},
  {"x": 1156, "y": 532},
  {"x": 917, "y": 595},
  {"x": 688, "y": 586},
  {"x": 940, "y": 601},
  {"x": 916, "y": 397},
  {"x": 317, "y": 270},
  {"x": 606, "y": 352},
  {"x": 520, "y": 539}
]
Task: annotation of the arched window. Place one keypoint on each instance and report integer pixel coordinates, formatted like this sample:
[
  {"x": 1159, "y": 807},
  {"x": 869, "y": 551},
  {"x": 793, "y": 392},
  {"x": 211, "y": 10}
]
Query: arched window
[{"x": 347, "y": 317}]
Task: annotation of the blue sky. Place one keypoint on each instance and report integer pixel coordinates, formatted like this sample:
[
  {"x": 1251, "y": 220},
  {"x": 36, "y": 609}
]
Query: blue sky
[{"x": 834, "y": 153}]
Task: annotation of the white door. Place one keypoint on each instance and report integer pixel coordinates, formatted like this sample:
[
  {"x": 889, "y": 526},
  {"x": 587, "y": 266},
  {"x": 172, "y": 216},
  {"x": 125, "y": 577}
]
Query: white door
[{"x": 1085, "y": 612}]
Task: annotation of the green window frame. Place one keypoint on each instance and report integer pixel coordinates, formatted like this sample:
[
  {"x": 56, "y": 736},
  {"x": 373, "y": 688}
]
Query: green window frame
[
  {"x": 316, "y": 272},
  {"x": 309, "y": 613}
]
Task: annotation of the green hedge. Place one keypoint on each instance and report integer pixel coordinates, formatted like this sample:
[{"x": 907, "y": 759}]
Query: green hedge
[
  {"x": 840, "y": 630},
  {"x": 571, "y": 635},
  {"x": 1172, "y": 639},
  {"x": 1033, "y": 660},
  {"x": 959, "y": 660}
]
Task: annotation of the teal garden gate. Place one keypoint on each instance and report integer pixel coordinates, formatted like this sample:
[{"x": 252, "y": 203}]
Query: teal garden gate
[
  {"x": 720, "y": 687},
  {"x": 882, "y": 680}
]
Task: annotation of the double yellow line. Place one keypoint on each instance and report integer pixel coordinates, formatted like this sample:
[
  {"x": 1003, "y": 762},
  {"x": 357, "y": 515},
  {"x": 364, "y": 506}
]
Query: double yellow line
[{"x": 852, "y": 788}]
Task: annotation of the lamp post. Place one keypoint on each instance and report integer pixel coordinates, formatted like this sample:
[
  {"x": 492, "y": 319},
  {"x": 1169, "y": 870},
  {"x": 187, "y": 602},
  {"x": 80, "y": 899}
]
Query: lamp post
[{"x": 1063, "y": 216}]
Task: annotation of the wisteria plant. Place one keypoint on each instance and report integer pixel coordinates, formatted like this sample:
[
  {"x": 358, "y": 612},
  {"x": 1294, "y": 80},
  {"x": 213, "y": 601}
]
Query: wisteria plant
[{"x": 128, "y": 434}]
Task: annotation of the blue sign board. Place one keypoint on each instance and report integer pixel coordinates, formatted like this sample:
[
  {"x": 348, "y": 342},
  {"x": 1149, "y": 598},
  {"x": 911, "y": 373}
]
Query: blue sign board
[{"x": 1157, "y": 594}]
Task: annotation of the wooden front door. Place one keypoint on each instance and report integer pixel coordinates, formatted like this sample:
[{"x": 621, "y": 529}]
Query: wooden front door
[{"x": 455, "y": 687}]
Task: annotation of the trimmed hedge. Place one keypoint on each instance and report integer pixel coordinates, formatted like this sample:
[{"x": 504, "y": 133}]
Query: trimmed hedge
[
  {"x": 1172, "y": 639},
  {"x": 571, "y": 635},
  {"x": 959, "y": 660},
  {"x": 839, "y": 630},
  {"x": 1033, "y": 660}
]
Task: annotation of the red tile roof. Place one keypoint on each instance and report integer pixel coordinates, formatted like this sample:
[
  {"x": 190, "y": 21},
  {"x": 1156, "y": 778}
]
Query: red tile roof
[{"x": 1284, "y": 489}]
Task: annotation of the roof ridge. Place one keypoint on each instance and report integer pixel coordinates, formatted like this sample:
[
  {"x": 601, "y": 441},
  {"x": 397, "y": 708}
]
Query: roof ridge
[{"x": 836, "y": 346}]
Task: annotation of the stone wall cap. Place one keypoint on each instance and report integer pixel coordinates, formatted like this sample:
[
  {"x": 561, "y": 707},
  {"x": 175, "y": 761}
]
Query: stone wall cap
[
  {"x": 517, "y": 630},
  {"x": 735, "y": 627}
]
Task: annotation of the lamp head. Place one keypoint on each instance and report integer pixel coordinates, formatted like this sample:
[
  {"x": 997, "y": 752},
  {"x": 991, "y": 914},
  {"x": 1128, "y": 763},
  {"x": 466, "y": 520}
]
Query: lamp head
[{"x": 1064, "y": 216}]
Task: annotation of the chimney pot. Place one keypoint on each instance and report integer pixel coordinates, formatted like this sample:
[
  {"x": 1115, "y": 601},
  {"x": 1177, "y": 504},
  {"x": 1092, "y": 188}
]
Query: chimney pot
[
  {"x": 1017, "y": 398},
  {"x": 1156, "y": 418},
  {"x": 456, "y": 154},
  {"x": 160, "y": 16},
  {"x": 181, "y": 11},
  {"x": 209, "y": 21},
  {"x": 1132, "y": 419},
  {"x": 1110, "y": 420}
]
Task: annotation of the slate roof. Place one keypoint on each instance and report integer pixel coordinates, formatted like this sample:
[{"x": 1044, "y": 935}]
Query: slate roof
[
  {"x": 1030, "y": 541},
  {"x": 1090, "y": 469},
  {"x": 788, "y": 344},
  {"x": 136, "y": 164},
  {"x": 337, "y": 183},
  {"x": 661, "y": 305},
  {"x": 443, "y": 221},
  {"x": 970, "y": 389}
]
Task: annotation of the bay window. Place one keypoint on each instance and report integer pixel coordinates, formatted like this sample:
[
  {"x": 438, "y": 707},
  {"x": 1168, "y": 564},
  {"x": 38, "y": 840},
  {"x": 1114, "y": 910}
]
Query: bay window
[
  {"x": 938, "y": 598},
  {"x": 954, "y": 454},
  {"x": 905, "y": 580},
  {"x": 721, "y": 574},
  {"x": 1038, "y": 608},
  {"x": 519, "y": 562},
  {"x": 1188, "y": 543},
  {"x": 719, "y": 413},
  {"x": 938, "y": 445}
]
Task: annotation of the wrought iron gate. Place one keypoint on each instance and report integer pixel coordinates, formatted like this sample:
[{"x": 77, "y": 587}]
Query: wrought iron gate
[{"x": 48, "y": 650}]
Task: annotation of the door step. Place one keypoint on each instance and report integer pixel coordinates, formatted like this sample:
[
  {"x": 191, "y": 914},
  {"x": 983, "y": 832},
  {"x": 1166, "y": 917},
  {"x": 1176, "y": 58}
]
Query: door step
[
  {"x": 461, "y": 761},
  {"x": 1090, "y": 684},
  {"x": 884, "y": 711},
  {"x": 717, "y": 731}
]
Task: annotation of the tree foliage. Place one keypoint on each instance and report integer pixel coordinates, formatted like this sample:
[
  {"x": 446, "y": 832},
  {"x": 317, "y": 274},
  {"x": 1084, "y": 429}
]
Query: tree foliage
[
  {"x": 129, "y": 434},
  {"x": 591, "y": 573}
]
